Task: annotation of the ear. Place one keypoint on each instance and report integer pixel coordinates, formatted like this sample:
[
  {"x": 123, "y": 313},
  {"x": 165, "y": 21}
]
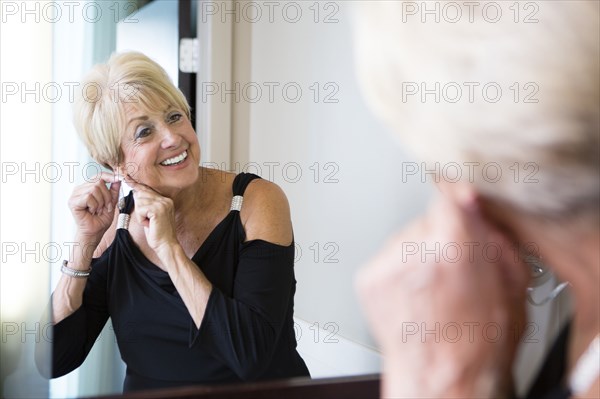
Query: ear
[
  {"x": 119, "y": 171},
  {"x": 463, "y": 194}
]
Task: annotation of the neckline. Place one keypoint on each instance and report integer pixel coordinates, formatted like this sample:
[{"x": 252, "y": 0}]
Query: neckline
[
  {"x": 202, "y": 249},
  {"x": 127, "y": 207}
]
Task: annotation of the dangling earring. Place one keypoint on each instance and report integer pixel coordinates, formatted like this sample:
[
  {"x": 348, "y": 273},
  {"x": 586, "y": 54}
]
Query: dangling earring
[
  {"x": 540, "y": 275},
  {"x": 121, "y": 178}
]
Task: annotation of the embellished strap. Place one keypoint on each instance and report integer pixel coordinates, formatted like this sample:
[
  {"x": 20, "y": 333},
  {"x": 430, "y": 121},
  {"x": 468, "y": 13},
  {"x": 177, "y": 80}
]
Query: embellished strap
[
  {"x": 123, "y": 221},
  {"x": 240, "y": 183},
  {"x": 236, "y": 203},
  {"x": 125, "y": 205}
]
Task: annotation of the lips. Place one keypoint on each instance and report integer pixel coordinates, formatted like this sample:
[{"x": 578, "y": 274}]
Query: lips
[{"x": 175, "y": 160}]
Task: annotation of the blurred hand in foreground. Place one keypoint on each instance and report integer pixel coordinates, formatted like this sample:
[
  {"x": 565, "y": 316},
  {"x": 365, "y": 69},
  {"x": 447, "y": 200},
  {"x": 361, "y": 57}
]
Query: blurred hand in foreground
[{"x": 445, "y": 299}]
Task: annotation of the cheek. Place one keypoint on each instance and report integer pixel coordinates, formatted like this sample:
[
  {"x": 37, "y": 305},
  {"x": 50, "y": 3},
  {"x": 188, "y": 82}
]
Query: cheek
[
  {"x": 135, "y": 161},
  {"x": 196, "y": 144},
  {"x": 195, "y": 141}
]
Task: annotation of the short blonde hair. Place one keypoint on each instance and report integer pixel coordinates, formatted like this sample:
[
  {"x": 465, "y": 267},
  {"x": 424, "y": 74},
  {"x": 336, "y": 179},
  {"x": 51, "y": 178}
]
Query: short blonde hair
[
  {"x": 99, "y": 109},
  {"x": 558, "y": 56}
]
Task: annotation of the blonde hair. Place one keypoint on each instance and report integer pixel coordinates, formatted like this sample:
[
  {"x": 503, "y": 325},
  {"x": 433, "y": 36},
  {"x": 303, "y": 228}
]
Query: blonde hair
[
  {"x": 99, "y": 109},
  {"x": 554, "y": 63}
]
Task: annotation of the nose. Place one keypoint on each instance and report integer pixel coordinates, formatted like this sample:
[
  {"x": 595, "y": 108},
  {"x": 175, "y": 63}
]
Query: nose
[{"x": 169, "y": 137}]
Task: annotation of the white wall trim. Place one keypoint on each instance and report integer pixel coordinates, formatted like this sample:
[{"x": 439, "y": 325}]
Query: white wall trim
[{"x": 213, "y": 115}]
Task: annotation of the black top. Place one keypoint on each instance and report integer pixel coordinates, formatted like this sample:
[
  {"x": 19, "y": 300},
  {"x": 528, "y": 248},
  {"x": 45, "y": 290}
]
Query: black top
[{"x": 247, "y": 332}]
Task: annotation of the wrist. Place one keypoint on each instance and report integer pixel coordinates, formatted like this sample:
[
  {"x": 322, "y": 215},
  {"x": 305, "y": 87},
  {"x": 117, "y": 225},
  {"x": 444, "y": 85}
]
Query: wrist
[
  {"x": 76, "y": 272},
  {"x": 88, "y": 240},
  {"x": 168, "y": 253},
  {"x": 83, "y": 249}
]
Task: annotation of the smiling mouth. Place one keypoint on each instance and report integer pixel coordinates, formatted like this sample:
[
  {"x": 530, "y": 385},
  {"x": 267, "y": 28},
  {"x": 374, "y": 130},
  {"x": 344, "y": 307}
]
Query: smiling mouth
[{"x": 175, "y": 160}]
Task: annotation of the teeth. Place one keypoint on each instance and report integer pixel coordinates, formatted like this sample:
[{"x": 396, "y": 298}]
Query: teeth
[{"x": 175, "y": 160}]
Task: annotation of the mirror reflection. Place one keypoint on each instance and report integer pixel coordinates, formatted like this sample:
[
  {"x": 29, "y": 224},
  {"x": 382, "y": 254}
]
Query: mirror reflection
[{"x": 213, "y": 186}]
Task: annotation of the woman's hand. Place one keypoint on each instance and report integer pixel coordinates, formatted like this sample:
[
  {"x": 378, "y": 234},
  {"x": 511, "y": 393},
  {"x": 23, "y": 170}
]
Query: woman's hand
[
  {"x": 157, "y": 214},
  {"x": 93, "y": 206},
  {"x": 446, "y": 301}
]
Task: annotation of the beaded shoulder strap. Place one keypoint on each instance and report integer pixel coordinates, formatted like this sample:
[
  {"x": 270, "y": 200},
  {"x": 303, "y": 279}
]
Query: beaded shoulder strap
[
  {"x": 125, "y": 206},
  {"x": 240, "y": 183}
]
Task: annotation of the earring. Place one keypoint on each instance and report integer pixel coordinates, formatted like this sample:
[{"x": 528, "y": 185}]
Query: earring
[
  {"x": 121, "y": 201},
  {"x": 540, "y": 275}
]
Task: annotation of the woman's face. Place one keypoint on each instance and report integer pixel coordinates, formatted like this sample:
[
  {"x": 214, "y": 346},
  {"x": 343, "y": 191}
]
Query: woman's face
[{"x": 160, "y": 149}]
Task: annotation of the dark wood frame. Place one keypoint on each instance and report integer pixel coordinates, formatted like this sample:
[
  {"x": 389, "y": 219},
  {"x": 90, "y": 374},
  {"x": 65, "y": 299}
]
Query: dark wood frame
[
  {"x": 357, "y": 387},
  {"x": 187, "y": 81}
]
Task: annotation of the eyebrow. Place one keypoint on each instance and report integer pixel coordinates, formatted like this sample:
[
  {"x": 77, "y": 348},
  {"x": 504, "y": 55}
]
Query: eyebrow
[{"x": 143, "y": 118}]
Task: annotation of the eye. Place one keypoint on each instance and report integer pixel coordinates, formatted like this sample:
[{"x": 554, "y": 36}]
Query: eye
[
  {"x": 175, "y": 117},
  {"x": 142, "y": 132}
]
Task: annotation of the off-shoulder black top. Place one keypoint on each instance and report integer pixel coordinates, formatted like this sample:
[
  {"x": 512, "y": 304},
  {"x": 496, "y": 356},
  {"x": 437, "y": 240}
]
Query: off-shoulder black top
[{"x": 247, "y": 332}]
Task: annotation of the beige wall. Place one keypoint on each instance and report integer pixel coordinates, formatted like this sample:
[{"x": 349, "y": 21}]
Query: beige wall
[{"x": 348, "y": 197}]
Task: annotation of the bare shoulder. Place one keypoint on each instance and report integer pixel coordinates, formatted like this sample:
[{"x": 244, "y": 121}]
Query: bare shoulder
[{"x": 266, "y": 213}]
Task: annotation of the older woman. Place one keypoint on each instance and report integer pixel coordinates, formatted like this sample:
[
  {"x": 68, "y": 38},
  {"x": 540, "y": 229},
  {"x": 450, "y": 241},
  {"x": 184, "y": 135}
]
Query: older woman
[
  {"x": 194, "y": 266},
  {"x": 527, "y": 157}
]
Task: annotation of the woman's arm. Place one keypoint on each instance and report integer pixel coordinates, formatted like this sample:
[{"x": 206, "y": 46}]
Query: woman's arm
[
  {"x": 93, "y": 207},
  {"x": 242, "y": 330},
  {"x": 157, "y": 214},
  {"x": 76, "y": 327},
  {"x": 74, "y": 335},
  {"x": 265, "y": 216}
]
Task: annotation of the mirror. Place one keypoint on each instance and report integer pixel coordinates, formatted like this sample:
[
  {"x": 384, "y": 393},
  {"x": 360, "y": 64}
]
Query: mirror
[
  {"x": 295, "y": 117},
  {"x": 276, "y": 95}
]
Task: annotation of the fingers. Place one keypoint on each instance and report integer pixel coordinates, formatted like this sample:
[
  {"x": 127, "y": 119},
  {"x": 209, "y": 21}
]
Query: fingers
[
  {"x": 114, "y": 192},
  {"x": 137, "y": 186},
  {"x": 156, "y": 214},
  {"x": 149, "y": 204},
  {"x": 108, "y": 177},
  {"x": 496, "y": 266},
  {"x": 98, "y": 199},
  {"x": 107, "y": 202},
  {"x": 94, "y": 196},
  {"x": 143, "y": 208},
  {"x": 144, "y": 196},
  {"x": 510, "y": 266},
  {"x": 480, "y": 254}
]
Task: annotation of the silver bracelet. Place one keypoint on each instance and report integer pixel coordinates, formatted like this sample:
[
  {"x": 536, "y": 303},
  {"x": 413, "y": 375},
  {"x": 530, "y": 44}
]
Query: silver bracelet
[{"x": 73, "y": 272}]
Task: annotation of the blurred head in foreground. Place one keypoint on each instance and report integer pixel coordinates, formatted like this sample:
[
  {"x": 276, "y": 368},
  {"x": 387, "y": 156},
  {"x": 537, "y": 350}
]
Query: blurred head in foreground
[
  {"x": 502, "y": 101},
  {"x": 504, "y": 98}
]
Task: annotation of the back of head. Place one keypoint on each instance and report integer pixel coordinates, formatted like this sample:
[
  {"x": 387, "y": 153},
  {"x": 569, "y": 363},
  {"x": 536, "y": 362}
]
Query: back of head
[{"x": 493, "y": 83}]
